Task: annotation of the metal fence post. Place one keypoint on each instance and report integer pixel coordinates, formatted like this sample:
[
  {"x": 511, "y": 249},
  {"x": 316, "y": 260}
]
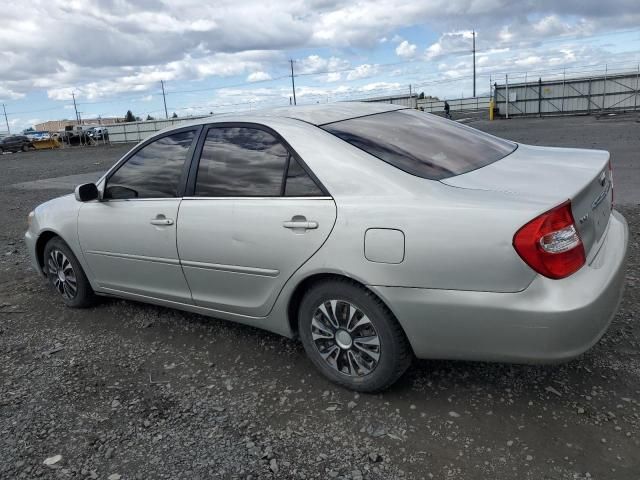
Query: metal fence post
[
  {"x": 564, "y": 76},
  {"x": 589, "y": 98},
  {"x": 604, "y": 87},
  {"x": 525, "y": 93},
  {"x": 506, "y": 83},
  {"x": 539, "y": 96},
  {"x": 635, "y": 98}
]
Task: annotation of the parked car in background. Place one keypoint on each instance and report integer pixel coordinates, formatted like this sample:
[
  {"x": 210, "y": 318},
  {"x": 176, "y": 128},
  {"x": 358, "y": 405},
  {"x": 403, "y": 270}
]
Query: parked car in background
[
  {"x": 39, "y": 136},
  {"x": 15, "y": 143},
  {"x": 98, "y": 133},
  {"x": 373, "y": 232}
]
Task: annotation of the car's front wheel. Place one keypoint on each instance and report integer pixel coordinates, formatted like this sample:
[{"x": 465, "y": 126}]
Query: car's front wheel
[
  {"x": 66, "y": 275},
  {"x": 352, "y": 337}
]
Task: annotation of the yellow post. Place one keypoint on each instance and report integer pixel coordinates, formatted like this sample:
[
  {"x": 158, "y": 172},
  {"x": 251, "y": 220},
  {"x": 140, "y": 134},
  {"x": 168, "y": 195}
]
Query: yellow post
[{"x": 491, "y": 109}]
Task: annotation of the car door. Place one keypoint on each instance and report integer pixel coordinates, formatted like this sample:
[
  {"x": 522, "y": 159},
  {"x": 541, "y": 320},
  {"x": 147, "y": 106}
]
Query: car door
[
  {"x": 129, "y": 237},
  {"x": 10, "y": 143},
  {"x": 253, "y": 216}
]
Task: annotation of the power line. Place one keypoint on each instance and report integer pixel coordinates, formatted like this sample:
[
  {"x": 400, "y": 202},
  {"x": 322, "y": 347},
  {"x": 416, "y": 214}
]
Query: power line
[{"x": 243, "y": 84}]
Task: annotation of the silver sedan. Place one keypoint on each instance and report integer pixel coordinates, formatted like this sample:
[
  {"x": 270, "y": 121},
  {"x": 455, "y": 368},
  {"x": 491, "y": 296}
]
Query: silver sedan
[{"x": 372, "y": 232}]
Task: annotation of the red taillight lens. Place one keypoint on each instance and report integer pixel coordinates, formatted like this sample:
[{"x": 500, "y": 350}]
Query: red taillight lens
[{"x": 551, "y": 244}]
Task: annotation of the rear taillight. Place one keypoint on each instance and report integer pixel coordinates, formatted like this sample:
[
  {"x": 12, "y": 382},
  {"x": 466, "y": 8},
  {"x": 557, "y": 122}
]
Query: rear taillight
[{"x": 551, "y": 244}]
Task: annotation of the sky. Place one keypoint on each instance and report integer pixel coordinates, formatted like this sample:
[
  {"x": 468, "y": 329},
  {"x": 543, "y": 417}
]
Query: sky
[{"x": 235, "y": 55}]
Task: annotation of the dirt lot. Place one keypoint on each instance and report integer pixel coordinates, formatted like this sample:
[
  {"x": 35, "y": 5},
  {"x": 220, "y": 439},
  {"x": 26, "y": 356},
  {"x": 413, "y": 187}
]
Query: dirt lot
[{"x": 145, "y": 392}]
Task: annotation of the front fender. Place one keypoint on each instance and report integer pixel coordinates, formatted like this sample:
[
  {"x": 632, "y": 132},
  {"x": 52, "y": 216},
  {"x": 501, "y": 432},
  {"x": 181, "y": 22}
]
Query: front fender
[{"x": 56, "y": 217}]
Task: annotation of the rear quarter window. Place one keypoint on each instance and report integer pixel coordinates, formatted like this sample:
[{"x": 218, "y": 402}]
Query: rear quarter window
[{"x": 422, "y": 144}]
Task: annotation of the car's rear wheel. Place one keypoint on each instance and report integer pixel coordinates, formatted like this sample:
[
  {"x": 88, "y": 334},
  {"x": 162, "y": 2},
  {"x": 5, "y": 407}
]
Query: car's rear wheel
[
  {"x": 352, "y": 337},
  {"x": 66, "y": 275}
]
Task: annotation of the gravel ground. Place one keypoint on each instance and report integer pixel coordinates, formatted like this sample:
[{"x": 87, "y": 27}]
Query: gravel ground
[{"x": 127, "y": 390}]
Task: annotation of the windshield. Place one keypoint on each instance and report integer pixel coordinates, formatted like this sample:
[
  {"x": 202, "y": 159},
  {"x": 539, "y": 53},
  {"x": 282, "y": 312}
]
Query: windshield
[{"x": 422, "y": 144}]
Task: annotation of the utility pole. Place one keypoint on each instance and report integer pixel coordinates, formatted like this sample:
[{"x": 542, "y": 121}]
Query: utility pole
[
  {"x": 474, "y": 62},
  {"x": 164, "y": 99},
  {"x": 75, "y": 107},
  {"x": 410, "y": 96},
  {"x": 5, "y": 119},
  {"x": 293, "y": 84}
]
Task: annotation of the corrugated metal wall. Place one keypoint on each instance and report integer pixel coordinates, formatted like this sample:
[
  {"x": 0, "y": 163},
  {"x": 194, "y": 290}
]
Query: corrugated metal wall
[
  {"x": 133, "y": 132},
  {"x": 430, "y": 104},
  {"x": 570, "y": 96}
]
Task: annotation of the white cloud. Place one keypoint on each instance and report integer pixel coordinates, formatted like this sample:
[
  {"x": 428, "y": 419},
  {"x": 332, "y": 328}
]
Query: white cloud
[
  {"x": 451, "y": 43},
  {"x": 363, "y": 71},
  {"x": 317, "y": 64},
  {"x": 258, "y": 76},
  {"x": 7, "y": 93},
  {"x": 380, "y": 87},
  {"x": 406, "y": 49},
  {"x": 135, "y": 44}
]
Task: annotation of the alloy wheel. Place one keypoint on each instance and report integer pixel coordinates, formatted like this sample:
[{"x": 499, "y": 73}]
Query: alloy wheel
[
  {"x": 61, "y": 274},
  {"x": 345, "y": 338}
]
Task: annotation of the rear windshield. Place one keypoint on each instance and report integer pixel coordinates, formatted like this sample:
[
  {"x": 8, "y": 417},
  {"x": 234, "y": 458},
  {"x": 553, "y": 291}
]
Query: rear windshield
[{"x": 422, "y": 144}]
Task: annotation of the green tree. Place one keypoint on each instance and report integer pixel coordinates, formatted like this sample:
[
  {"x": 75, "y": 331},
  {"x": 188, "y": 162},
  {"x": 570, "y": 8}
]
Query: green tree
[
  {"x": 175, "y": 115},
  {"x": 149, "y": 117},
  {"x": 129, "y": 117}
]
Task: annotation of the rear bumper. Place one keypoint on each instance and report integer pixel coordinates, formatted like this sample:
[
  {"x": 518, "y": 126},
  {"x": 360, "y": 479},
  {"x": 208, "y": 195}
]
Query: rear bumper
[{"x": 549, "y": 321}]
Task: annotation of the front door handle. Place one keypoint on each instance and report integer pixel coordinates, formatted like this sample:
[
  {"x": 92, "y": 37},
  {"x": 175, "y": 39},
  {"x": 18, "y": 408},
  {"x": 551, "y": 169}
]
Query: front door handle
[{"x": 161, "y": 221}]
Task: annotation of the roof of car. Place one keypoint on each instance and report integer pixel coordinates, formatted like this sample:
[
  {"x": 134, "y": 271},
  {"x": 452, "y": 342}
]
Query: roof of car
[
  {"x": 317, "y": 114},
  {"x": 321, "y": 114}
]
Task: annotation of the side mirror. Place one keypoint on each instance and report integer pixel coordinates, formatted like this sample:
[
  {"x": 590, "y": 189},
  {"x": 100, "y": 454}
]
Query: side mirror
[{"x": 87, "y": 192}]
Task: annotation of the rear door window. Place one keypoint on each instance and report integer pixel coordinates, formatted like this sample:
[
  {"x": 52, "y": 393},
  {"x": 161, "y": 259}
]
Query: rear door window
[
  {"x": 422, "y": 144},
  {"x": 299, "y": 182},
  {"x": 241, "y": 162}
]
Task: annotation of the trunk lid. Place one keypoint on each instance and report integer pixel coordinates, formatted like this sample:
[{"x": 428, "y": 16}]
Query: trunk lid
[{"x": 550, "y": 176}]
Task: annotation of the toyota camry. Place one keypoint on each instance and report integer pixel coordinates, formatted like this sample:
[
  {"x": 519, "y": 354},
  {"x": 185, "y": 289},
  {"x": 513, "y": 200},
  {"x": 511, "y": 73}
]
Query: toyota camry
[{"x": 374, "y": 233}]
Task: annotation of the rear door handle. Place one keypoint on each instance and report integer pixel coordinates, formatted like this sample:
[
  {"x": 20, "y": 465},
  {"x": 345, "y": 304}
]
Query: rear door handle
[
  {"x": 162, "y": 221},
  {"x": 300, "y": 224}
]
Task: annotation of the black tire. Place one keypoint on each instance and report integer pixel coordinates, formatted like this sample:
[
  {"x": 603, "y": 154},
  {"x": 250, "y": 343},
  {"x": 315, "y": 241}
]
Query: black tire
[
  {"x": 25, "y": 147},
  {"x": 394, "y": 351},
  {"x": 54, "y": 253}
]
